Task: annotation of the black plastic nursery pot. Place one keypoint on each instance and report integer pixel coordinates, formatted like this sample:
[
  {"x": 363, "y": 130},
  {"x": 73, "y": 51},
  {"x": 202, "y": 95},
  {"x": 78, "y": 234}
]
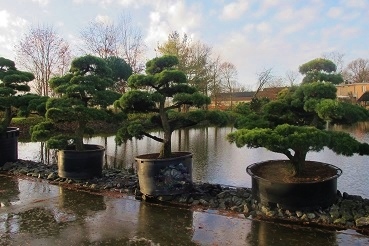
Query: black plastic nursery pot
[
  {"x": 84, "y": 164},
  {"x": 9, "y": 145},
  {"x": 295, "y": 196},
  {"x": 170, "y": 176}
]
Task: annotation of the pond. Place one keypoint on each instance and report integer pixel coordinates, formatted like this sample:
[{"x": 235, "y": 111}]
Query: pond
[{"x": 215, "y": 160}]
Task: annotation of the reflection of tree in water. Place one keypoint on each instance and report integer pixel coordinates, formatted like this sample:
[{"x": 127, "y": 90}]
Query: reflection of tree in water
[
  {"x": 9, "y": 190},
  {"x": 165, "y": 225},
  {"x": 79, "y": 202},
  {"x": 265, "y": 234}
]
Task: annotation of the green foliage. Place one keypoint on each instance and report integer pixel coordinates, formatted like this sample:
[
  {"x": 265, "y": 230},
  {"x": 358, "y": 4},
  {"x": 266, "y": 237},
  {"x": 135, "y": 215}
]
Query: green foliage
[
  {"x": 13, "y": 85},
  {"x": 296, "y": 141},
  {"x": 320, "y": 70},
  {"x": 84, "y": 96},
  {"x": 161, "y": 90},
  {"x": 318, "y": 64}
]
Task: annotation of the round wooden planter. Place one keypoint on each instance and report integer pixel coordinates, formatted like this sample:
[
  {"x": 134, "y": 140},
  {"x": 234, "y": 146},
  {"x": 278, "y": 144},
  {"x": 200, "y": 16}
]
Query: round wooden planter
[
  {"x": 169, "y": 176},
  {"x": 9, "y": 145},
  {"x": 84, "y": 164},
  {"x": 295, "y": 196}
]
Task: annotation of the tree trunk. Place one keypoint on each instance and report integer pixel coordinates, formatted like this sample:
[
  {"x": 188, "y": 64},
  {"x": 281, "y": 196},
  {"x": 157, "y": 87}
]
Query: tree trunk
[
  {"x": 79, "y": 135},
  {"x": 298, "y": 162},
  {"x": 7, "y": 119},
  {"x": 166, "y": 148}
]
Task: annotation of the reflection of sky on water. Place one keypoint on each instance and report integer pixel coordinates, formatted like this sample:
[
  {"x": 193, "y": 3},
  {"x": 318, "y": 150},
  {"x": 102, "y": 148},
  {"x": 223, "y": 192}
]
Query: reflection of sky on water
[{"x": 215, "y": 160}]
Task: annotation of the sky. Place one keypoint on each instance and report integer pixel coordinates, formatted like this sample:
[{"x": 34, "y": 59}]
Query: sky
[{"x": 254, "y": 35}]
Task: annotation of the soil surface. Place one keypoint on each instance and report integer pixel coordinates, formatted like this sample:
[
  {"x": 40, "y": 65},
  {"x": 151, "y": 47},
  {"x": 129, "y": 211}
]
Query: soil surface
[{"x": 282, "y": 172}]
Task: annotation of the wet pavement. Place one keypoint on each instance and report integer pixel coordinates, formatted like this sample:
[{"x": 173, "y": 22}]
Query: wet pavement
[{"x": 37, "y": 213}]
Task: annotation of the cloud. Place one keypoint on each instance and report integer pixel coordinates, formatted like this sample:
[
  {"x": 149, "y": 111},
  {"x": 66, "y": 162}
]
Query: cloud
[
  {"x": 10, "y": 27},
  {"x": 166, "y": 18},
  {"x": 41, "y": 2},
  {"x": 334, "y": 12},
  {"x": 234, "y": 10},
  {"x": 104, "y": 19},
  {"x": 4, "y": 18}
]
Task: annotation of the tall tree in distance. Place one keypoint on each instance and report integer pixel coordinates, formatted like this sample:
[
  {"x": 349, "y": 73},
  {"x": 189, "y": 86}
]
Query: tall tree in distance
[
  {"x": 357, "y": 71},
  {"x": 194, "y": 58},
  {"x": 120, "y": 39},
  {"x": 45, "y": 54},
  {"x": 228, "y": 73}
]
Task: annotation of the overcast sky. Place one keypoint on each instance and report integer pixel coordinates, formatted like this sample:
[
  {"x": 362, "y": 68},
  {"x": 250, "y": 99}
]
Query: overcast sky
[{"x": 252, "y": 34}]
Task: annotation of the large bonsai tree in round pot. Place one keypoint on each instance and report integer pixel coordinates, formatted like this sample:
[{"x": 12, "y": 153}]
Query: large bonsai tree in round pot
[
  {"x": 13, "y": 86},
  {"x": 161, "y": 93},
  {"x": 84, "y": 96},
  {"x": 293, "y": 125}
]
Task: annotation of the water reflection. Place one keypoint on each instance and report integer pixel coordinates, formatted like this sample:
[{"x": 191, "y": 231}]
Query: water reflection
[
  {"x": 265, "y": 234},
  {"x": 215, "y": 160}
]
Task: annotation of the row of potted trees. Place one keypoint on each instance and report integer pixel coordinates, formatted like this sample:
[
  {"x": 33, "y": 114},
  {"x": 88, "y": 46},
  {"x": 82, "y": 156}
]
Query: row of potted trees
[{"x": 86, "y": 94}]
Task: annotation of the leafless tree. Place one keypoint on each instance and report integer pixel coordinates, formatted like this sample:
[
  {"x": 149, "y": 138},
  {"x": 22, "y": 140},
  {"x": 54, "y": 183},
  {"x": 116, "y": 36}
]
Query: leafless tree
[
  {"x": 228, "y": 73},
  {"x": 336, "y": 58},
  {"x": 100, "y": 39},
  {"x": 264, "y": 78},
  {"x": 44, "y": 53},
  {"x": 121, "y": 39},
  {"x": 214, "y": 83},
  {"x": 291, "y": 77},
  {"x": 357, "y": 71}
]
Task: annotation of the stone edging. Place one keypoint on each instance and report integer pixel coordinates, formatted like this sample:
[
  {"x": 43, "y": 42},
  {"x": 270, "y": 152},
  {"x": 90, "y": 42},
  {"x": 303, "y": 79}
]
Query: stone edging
[{"x": 348, "y": 212}]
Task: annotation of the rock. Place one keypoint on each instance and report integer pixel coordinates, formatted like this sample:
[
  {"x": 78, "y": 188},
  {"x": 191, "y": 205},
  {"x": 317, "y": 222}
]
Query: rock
[
  {"x": 299, "y": 214},
  {"x": 310, "y": 215}
]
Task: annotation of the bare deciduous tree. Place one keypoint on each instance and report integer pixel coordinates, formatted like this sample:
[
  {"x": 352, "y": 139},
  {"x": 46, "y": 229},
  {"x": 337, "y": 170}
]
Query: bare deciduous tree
[
  {"x": 357, "y": 71},
  {"x": 121, "y": 39},
  {"x": 101, "y": 39},
  {"x": 337, "y": 58},
  {"x": 228, "y": 73},
  {"x": 264, "y": 77},
  {"x": 44, "y": 53},
  {"x": 291, "y": 77}
]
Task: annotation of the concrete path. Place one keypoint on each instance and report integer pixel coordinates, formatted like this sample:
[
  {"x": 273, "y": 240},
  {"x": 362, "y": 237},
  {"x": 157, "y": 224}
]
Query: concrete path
[{"x": 37, "y": 213}]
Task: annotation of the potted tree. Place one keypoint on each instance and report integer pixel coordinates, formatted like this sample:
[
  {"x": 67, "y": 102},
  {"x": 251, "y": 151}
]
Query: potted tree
[
  {"x": 293, "y": 125},
  {"x": 13, "y": 85},
  {"x": 161, "y": 93},
  {"x": 84, "y": 96}
]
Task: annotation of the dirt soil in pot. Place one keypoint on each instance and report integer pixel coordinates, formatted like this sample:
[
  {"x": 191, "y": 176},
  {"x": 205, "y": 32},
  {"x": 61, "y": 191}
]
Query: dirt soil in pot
[{"x": 282, "y": 172}]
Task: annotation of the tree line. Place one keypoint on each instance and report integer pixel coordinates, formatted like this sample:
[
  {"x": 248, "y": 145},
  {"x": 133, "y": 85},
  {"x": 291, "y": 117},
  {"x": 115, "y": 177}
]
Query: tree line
[{"x": 46, "y": 54}]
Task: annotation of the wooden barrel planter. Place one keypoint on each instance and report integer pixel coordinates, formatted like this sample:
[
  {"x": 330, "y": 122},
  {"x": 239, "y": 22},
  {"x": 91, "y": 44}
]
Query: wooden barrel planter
[
  {"x": 9, "y": 145},
  {"x": 307, "y": 195},
  {"x": 84, "y": 164},
  {"x": 170, "y": 176}
]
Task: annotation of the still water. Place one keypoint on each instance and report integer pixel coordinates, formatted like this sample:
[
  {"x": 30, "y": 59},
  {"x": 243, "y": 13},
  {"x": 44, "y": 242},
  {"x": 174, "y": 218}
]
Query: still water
[
  {"x": 215, "y": 160},
  {"x": 37, "y": 213}
]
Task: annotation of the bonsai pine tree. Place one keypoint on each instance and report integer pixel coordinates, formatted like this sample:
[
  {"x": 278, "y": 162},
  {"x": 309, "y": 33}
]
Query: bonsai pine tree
[
  {"x": 320, "y": 70},
  {"x": 13, "y": 86},
  {"x": 83, "y": 96},
  {"x": 161, "y": 92},
  {"x": 296, "y": 141},
  {"x": 294, "y": 121}
]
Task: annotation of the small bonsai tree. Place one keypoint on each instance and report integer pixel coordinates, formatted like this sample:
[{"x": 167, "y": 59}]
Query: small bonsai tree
[
  {"x": 296, "y": 141},
  {"x": 84, "y": 96},
  {"x": 13, "y": 86},
  {"x": 162, "y": 91}
]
